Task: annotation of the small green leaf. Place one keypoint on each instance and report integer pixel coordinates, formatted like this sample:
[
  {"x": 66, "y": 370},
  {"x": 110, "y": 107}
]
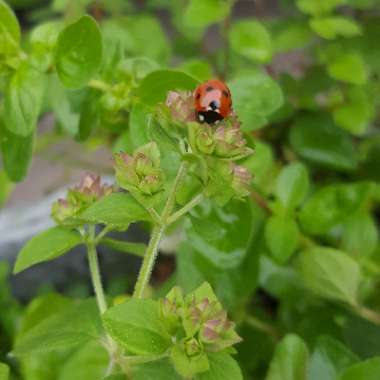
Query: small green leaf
[
  {"x": 118, "y": 209},
  {"x": 252, "y": 40},
  {"x": 89, "y": 116},
  {"x": 9, "y": 30},
  {"x": 155, "y": 86},
  {"x": 349, "y": 67},
  {"x": 139, "y": 120},
  {"x": 290, "y": 34},
  {"x": 253, "y": 111},
  {"x": 329, "y": 359},
  {"x": 136, "y": 326},
  {"x": 222, "y": 236},
  {"x": 157, "y": 370},
  {"x": 74, "y": 326},
  {"x": 46, "y": 246},
  {"x": 290, "y": 360},
  {"x": 4, "y": 369},
  {"x": 282, "y": 236},
  {"x": 332, "y": 27},
  {"x": 202, "y": 13},
  {"x": 316, "y": 138},
  {"x": 360, "y": 235},
  {"x": 330, "y": 273},
  {"x": 317, "y": 7},
  {"x": 115, "y": 377},
  {"x": 22, "y": 101},
  {"x": 89, "y": 362},
  {"x": 17, "y": 153},
  {"x": 292, "y": 185},
  {"x": 79, "y": 52},
  {"x": 222, "y": 367},
  {"x": 332, "y": 205},
  {"x": 137, "y": 249},
  {"x": 366, "y": 370}
]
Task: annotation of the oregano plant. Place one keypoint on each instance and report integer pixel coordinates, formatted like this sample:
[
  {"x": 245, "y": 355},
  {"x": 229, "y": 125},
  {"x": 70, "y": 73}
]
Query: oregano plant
[{"x": 258, "y": 209}]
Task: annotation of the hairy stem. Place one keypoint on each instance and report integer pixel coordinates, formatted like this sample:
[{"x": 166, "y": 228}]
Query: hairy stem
[
  {"x": 95, "y": 272},
  {"x": 157, "y": 233},
  {"x": 182, "y": 211}
]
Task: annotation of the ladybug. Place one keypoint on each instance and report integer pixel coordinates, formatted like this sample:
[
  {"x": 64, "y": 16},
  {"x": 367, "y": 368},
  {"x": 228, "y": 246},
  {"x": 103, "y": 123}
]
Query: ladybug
[{"x": 212, "y": 101}]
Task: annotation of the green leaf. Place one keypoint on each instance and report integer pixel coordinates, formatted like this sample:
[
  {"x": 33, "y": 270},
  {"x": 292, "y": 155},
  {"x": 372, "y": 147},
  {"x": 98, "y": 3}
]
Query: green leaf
[
  {"x": 46, "y": 246},
  {"x": 316, "y": 139},
  {"x": 79, "y": 52},
  {"x": 89, "y": 116},
  {"x": 253, "y": 111},
  {"x": 252, "y": 40},
  {"x": 17, "y": 154},
  {"x": 41, "y": 308},
  {"x": 282, "y": 236},
  {"x": 329, "y": 359},
  {"x": 330, "y": 273},
  {"x": 202, "y": 13},
  {"x": 139, "y": 120},
  {"x": 366, "y": 370},
  {"x": 137, "y": 249},
  {"x": 22, "y": 101},
  {"x": 196, "y": 68},
  {"x": 4, "y": 369},
  {"x": 290, "y": 34},
  {"x": 222, "y": 236},
  {"x": 89, "y": 362},
  {"x": 9, "y": 30},
  {"x": 349, "y": 67},
  {"x": 74, "y": 326},
  {"x": 332, "y": 205},
  {"x": 292, "y": 185},
  {"x": 157, "y": 370},
  {"x": 316, "y": 7},
  {"x": 136, "y": 326},
  {"x": 332, "y": 27},
  {"x": 360, "y": 236},
  {"x": 290, "y": 360},
  {"x": 155, "y": 86},
  {"x": 117, "y": 209},
  {"x": 222, "y": 367},
  {"x": 115, "y": 377}
]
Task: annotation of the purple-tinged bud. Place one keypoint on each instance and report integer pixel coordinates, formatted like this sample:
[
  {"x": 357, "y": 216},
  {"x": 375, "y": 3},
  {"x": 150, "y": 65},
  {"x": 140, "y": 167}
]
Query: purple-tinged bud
[
  {"x": 181, "y": 106},
  {"x": 193, "y": 347},
  {"x": 230, "y": 143}
]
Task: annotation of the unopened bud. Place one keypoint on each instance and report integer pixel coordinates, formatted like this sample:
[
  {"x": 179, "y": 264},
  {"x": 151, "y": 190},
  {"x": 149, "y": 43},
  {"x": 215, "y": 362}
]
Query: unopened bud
[{"x": 241, "y": 180}]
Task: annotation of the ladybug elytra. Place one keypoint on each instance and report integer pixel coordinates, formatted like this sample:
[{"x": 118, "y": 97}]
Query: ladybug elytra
[{"x": 212, "y": 101}]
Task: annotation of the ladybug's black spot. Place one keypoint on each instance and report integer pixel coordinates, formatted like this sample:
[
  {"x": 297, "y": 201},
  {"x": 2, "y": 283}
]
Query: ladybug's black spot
[
  {"x": 209, "y": 88},
  {"x": 209, "y": 117},
  {"x": 225, "y": 93},
  {"x": 198, "y": 96}
]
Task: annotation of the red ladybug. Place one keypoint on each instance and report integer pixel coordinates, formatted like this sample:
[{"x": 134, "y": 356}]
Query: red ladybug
[{"x": 212, "y": 101}]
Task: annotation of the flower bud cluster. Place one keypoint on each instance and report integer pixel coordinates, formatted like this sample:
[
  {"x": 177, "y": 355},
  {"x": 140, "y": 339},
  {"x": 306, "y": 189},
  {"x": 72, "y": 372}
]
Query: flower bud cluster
[
  {"x": 199, "y": 325},
  {"x": 224, "y": 141},
  {"x": 89, "y": 190},
  {"x": 140, "y": 173}
]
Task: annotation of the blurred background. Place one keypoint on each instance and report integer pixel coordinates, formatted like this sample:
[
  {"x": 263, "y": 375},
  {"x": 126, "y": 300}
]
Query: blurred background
[{"x": 305, "y": 81}]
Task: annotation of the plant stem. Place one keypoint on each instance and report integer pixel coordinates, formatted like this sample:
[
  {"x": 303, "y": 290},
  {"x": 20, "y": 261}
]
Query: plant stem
[
  {"x": 94, "y": 270},
  {"x": 182, "y": 211},
  {"x": 152, "y": 249},
  {"x": 368, "y": 314},
  {"x": 148, "y": 262},
  {"x": 262, "y": 326}
]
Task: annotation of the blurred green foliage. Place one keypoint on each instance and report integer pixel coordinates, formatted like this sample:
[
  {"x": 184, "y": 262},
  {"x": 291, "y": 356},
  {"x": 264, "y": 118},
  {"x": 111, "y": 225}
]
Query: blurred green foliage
[{"x": 298, "y": 267}]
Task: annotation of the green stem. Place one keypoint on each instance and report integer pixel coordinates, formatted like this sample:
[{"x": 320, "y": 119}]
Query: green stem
[
  {"x": 182, "y": 211},
  {"x": 99, "y": 85},
  {"x": 148, "y": 262},
  {"x": 157, "y": 233},
  {"x": 262, "y": 326},
  {"x": 368, "y": 314},
  {"x": 95, "y": 272}
]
